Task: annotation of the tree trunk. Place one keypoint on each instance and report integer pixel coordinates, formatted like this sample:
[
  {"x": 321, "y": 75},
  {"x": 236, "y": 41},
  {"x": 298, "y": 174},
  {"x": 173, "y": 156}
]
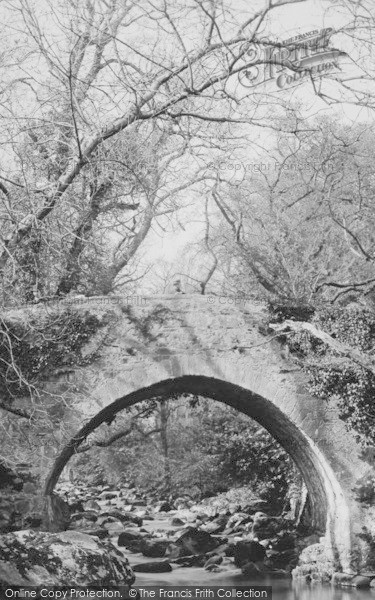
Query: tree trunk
[{"x": 164, "y": 414}]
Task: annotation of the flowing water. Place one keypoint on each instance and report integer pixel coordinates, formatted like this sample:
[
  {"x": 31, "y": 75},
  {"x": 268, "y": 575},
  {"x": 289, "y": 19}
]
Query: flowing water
[{"x": 282, "y": 588}]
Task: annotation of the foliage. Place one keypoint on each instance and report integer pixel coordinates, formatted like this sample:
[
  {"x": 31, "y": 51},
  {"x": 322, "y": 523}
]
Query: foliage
[
  {"x": 365, "y": 489},
  {"x": 211, "y": 448},
  {"x": 249, "y": 455},
  {"x": 332, "y": 377},
  {"x": 29, "y": 353}
]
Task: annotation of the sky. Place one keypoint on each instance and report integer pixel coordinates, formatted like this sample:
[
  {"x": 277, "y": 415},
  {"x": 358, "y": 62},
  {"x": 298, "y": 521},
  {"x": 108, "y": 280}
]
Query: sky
[{"x": 296, "y": 19}]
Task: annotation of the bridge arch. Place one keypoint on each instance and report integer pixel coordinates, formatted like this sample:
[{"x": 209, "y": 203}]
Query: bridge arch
[{"x": 330, "y": 512}]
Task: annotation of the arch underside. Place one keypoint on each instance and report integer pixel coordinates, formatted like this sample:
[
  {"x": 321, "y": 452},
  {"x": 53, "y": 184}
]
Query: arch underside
[
  {"x": 290, "y": 437},
  {"x": 326, "y": 498}
]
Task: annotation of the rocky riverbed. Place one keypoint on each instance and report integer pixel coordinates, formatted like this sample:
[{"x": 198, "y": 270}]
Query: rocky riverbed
[
  {"x": 216, "y": 535},
  {"x": 233, "y": 534}
]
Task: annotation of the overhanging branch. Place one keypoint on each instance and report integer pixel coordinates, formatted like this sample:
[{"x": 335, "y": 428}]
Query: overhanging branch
[{"x": 346, "y": 351}]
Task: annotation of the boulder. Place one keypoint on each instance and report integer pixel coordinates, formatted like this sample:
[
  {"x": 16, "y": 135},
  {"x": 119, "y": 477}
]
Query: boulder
[
  {"x": 285, "y": 559},
  {"x": 177, "y": 522},
  {"x": 195, "y": 541},
  {"x": 155, "y": 548},
  {"x": 284, "y": 541},
  {"x": 114, "y": 527},
  {"x": 266, "y": 527},
  {"x": 360, "y": 581},
  {"x": 153, "y": 567},
  {"x": 128, "y": 537},
  {"x": 248, "y": 552},
  {"x": 67, "y": 558}
]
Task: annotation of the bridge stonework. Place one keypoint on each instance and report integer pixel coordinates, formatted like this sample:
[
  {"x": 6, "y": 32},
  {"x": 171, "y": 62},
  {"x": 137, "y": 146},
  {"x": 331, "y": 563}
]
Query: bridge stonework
[{"x": 219, "y": 348}]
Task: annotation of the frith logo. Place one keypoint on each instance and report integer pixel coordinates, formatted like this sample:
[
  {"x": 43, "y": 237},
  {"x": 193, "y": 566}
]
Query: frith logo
[{"x": 286, "y": 63}]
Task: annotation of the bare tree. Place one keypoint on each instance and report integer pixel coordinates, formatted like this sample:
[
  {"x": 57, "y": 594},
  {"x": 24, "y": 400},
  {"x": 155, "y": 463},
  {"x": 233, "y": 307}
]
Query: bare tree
[
  {"x": 92, "y": 72},
  {"x": 299, "y": 225}
]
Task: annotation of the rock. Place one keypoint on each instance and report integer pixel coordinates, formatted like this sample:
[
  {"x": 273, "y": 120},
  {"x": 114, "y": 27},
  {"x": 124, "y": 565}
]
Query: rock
[
  {"x": 108, "y": 495},
  {"x": 181, "y": 503},
  {"x": 114, "y": 527},
  {"x": 163, "y": 506},
  {"x": 100, "y": 533},
  {"x": 130, "y": 517},
  {"x": 195, "y": 560},
  {"x": 194, "y": 541},
  {"x": 284, "y": 541},
  {"x": 186, "y": 515},
  {"x": 317, "y": 558},
  {"x": 266, "y": 527},
  {"x": 220, "y": 569},
  {"x": 127, "y": 538},
  {"x": 153, "y": 567},
  {"x": 33, "y": 521},
  {"x": 214, "y": 560},
  {"x": 284, "y": 559},
  {"x": 229, "y": 550},
  {"x": 30, "y": 488},
  {"x": 155, "y": 548},
  {"x": 91, "y": 505},
  {"x": 104, "y": 518},
  {"x": 76, "y": 507},
  {"x": 213, "y": 527},
  {"x": 177, "y": 522},
  {"x": 221, "y": 550},
  {"x": 342, "y": 578},
  {"x": 139, "y": 503},
  {"x": 238, "y": 519},
  {"x": 251, "y": 569},
  {"x": 256, "y": 506},
  {"x": 245, "y": 552},
  {"x": 66, "y": 558},
  {"x": 360, "y": 581},
  {"x": 89, "y": 515}
]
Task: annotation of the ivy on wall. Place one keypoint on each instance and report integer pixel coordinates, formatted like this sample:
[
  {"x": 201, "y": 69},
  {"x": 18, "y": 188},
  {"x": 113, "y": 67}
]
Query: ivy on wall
[
  {"x": 31, "y": 351},
  {"x": 335, "y": 377}
]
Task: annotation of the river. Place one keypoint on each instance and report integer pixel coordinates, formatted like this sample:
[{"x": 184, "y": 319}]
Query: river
[{"x": 282, "y": 588}]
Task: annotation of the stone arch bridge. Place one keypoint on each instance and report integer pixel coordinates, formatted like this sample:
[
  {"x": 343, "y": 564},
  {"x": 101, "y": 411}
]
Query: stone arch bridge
[{"x": 218, "y": 348}]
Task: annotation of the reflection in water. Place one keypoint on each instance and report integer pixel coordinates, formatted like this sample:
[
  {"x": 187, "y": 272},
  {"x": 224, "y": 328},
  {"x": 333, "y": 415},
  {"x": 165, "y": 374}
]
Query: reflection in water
[{"x": 282, "y": 589}]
